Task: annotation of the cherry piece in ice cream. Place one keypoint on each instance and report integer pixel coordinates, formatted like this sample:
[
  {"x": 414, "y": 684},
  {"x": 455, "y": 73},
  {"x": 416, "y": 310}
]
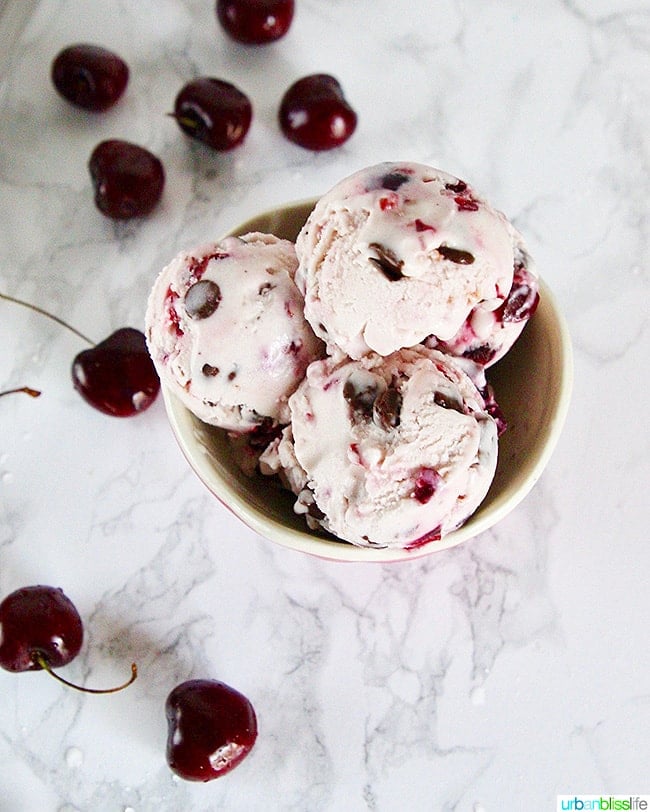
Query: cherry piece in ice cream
[
  {"x": 211, "y": 729},
  {"x": 315, "y": 114},
  {"x": 90, "y": 76}
]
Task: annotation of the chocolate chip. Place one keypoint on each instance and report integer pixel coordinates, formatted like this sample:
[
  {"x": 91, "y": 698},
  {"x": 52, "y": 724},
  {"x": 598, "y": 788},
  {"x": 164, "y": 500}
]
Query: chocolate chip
[
  {"x": 266, "y": 288},
  {"x": 448, "y": 402},
  {"x": 456, "y": 255},
  {"x": 393, "y": 180},
  {"x": 387, "y": 262},
  {"x": 361, "y": 399},
  {"x": 457, "y": 188},
  {"x": 386, "y": 409},
  {"x": 209, "y": 370},
  {"x": 202, "y": 299}
]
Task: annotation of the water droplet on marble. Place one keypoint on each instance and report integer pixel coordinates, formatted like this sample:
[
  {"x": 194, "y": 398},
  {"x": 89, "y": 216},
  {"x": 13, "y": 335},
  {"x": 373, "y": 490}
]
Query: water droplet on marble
[
  {"x": 7, "y": 477},
  {"x": 478, "y": 807},
  {"x": 74, "y": 757}
]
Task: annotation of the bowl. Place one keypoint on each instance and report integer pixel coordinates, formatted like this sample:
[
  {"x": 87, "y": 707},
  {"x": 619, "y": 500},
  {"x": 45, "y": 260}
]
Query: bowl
[{"x": 532, "y": 384}]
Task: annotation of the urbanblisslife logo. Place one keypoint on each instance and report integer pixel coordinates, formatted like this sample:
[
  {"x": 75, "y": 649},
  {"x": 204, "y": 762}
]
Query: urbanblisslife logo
[{"x": 604, "y": 803}]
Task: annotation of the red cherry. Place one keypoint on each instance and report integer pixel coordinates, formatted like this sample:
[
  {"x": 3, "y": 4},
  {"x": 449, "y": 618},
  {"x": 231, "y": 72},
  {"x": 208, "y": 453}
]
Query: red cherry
[
  {"x": 90, "y": 76},
  {"x": 315, "y": 114},
  {"x": 117, "y": 376},
  {"x": 255, "y": 22},
  {"x": 40, "y": 628},
  {"x": 426, "y": 484},
  {"x": 214, "y": 112},
  {"x": 38, "y": 619},
  {"x": 128, "y": 179},
  {"x": 211, "y": 729}
]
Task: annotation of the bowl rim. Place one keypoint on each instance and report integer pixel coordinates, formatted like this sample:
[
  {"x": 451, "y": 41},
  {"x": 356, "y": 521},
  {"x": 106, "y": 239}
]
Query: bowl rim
[{"x": 182, "y": 424}]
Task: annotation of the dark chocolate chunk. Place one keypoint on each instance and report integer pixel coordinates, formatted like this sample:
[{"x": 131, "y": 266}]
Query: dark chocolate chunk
[
  {"x": 393, "y": 180},
  {"x": 386, "y": 409},
  {"x": 456, "y": 255},
  {"x": 387, "y": 262},
  {"x": 202, "y": 299},
  {"x": 361, "y": 400},
  {"x": 457, "y": 188},
  {"x": 448, "y": 402}
]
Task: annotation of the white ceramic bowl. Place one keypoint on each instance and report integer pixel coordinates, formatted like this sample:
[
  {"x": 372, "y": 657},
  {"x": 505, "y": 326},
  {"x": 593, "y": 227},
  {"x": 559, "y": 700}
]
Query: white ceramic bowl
[{"x": 532, "y": 385}]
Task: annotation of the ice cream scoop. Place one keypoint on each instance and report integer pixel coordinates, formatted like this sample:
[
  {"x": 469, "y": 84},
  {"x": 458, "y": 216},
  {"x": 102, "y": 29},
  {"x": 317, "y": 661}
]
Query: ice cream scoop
[
  {"x": 401, "y": 253},
  {"x": 226, "y": 331},
  {"x": 391, "y": 451}
]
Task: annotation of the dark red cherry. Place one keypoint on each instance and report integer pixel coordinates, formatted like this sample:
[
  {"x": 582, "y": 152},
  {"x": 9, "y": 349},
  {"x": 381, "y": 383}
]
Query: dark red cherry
[
  {"x": 214, "y": 112},
  {"x": 38, "y": 620},
  {"x": 90, "y": 76},
  {"x": 117, "y": 376},
  {"x": 128, "y": 179},
  {"x": 211, "y": 728},
  {"x": 426, "y": 484},
  {"x": 315, "y": 114},
  {"x": 255, "y": 22},
  {"x": 40, "y": 628},
  {"x": 523, "y": 297}
]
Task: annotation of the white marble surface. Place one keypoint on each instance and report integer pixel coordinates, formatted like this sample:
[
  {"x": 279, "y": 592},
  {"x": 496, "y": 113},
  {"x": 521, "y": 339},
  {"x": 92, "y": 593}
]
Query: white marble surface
[{"x": 490, "y": 677}]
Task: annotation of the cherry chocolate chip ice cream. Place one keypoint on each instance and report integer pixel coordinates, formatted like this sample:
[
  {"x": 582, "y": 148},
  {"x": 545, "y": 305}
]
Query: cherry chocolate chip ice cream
[
  {"x": 226, "y": 331},
  {"x": 401, "y": 253},
  {"x": 388, "y": 451}
]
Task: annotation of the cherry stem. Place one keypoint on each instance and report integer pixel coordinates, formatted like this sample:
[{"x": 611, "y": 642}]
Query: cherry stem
[
  {"x": 39, "y": 659},
  {"x": 33, "y": 393},
  {"x": 190, "y": 123},
  {"x": 40, "y": 310}
]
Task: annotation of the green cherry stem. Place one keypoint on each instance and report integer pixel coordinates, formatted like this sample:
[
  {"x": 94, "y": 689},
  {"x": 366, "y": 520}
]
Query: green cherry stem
[
  {"x": 39, "y": 659},
  {"x": 185, "y": 121},
  {"x": 40, "y": 310}
]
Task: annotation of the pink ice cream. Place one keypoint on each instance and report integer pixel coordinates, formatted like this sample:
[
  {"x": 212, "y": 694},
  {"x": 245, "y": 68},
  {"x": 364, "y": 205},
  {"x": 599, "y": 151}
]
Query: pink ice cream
[
  {"x": 386, "y": 451},
  {"x": 400, "y": 253},
  {"x": 226, "y": 331}
]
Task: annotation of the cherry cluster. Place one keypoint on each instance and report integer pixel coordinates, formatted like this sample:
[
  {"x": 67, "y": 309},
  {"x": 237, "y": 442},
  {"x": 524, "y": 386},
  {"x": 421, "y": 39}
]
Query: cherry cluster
[
  {"x": 127, "y": 179},
  {"x": 211, "y": 726}
]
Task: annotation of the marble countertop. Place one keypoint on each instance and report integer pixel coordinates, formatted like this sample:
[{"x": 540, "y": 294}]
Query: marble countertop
[{"x": 490, "y": 677}]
